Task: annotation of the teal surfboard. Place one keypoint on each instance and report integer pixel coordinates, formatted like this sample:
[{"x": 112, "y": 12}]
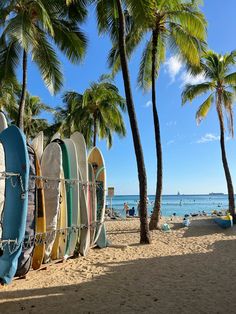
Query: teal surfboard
[
  {"x": 74, "y": 175},
  {"x": 16, "y": 200},
  {"x": 92, "y": 203},
  {"x": 96, "y": 159}
]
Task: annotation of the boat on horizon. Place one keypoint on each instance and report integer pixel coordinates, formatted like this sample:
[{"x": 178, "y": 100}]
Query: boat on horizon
[{"x": 216, "y": 194}]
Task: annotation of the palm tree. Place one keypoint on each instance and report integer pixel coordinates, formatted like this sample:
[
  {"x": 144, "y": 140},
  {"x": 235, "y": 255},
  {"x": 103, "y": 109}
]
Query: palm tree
[
  {"x": 221, "y": 84},
  {"x": 65, "y": 116},
  {"x": 111, "y": 20},
  {"x": 96, "y": 112},
  {"x": 173, "y": 24},
  {"x": 184, "y": 26},
  {"x": 33, "y": 123},
  {"x": 28, "y": 28}
]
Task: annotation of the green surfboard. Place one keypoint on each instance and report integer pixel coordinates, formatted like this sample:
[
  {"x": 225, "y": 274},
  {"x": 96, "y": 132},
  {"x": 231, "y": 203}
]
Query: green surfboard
[{"x": 67, "y": 174}]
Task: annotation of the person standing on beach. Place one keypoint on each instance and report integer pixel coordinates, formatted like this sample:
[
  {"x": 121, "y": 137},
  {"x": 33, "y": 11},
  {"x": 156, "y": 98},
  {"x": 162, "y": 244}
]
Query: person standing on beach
[{"x": 126, "y": 209}]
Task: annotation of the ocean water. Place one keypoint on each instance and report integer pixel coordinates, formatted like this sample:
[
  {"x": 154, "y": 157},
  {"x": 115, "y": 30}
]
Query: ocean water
[{"x": 179, "y": 204}]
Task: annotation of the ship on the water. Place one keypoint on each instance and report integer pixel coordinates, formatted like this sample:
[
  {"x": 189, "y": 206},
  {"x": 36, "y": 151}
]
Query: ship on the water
[{"x": 216, "y": 194}]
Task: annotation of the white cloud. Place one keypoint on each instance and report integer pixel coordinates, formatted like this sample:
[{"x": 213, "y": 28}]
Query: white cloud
[
  {"x": 148, "y": 104},
  {"x": 187, "y": 78},
  {"x": 170, "y": 142},
  {"x": 173, "y": 66},
  {"x": 208, "y": 138},
  {"x": 171, "y": 123}
]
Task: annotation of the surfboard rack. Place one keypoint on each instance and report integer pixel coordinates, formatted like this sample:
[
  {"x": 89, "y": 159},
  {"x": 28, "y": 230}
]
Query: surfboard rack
[{"x": 44, "y": 237}]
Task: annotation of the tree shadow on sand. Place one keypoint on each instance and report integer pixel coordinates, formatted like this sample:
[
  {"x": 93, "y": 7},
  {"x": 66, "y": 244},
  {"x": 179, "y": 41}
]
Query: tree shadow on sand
[
  {"x": 202, "y": 227},
  {"x": 191, "y": 283}
]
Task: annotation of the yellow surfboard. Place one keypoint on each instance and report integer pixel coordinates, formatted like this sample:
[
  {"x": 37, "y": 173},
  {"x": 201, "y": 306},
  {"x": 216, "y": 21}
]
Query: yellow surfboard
[{"x": 40, "y": 221}]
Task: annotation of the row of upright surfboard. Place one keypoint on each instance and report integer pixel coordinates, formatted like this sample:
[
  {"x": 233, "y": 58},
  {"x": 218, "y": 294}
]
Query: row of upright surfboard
[{"x": 52, "y": 201}]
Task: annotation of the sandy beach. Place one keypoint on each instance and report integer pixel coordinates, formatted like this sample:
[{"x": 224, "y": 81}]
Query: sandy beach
[{"x": 189, "y": 270}]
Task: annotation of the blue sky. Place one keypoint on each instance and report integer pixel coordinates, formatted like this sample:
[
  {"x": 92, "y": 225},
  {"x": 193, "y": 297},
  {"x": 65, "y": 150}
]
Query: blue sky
[{"x": 191, "y": 153}]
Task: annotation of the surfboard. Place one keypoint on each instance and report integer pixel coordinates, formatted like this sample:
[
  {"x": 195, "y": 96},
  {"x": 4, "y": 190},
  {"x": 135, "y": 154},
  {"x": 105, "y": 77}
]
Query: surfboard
[
  {"x": 74, "y": 173},
  {"x": 84, "y": 220},
  {"x": 63, "y": 219},
  {"x": 59, "y": 246},
  {"x": 2, "y": 189},
  {"x": 81, "y": 149},
  {"x": 51, "y": 166},
  {"x": 92, "y": 203},
  {"x": 80, "y": 145},
  {"x": 96, "y": 159},
  {"x": 3, "y": 121},
  {"x": 16, "y": 200},
  {"x": 25, "y": 258},
  {"x": 56, "y": 136},
  {"x": 37, "y": 144},
  {"x": 67, "y": 174},
  {"x": 40, "y": 227}
]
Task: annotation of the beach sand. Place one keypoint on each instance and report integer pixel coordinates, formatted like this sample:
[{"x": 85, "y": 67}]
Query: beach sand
[{"x": 189, "y": 270}]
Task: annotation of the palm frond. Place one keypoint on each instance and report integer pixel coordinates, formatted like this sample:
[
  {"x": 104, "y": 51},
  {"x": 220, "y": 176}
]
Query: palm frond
[
  {"x": 192, "y": 91},
  {"x": 228, "y": 100},
  {"x": 145, "y": 68},
  {"x": 185, "y": 43},
  {"x": 9, "y": 59},
  {"x": 230, "y": 59},
  {"x": 191, "y": 20},
  {"x": 48, "y": 63},
  {"x": 230, "y": 79},
  {"x": 69, "y": 38},
  {"x": 21, "y": 29},
  {"x": 204, "y": 108}
]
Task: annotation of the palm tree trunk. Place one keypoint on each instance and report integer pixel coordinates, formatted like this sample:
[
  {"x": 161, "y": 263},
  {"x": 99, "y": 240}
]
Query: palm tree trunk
[
  {"x": 94, "y": 129},
  {"x": 225, "y": 164},
  {"x": 155, "y": 218},
  {"x": 20, "y": 121},
  {"x": 144, "y": 228}
]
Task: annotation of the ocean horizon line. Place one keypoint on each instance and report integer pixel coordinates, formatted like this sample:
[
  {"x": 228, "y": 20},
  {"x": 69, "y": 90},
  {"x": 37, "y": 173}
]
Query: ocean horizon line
[{"x": 195, "y": 194}]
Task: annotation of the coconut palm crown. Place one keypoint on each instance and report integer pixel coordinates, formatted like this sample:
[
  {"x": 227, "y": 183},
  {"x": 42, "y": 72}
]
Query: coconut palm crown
[
  {"x": 220, "y": 85},
  {"x": 33, "y": 120},
  {"x": 33, "y": 28},
  {"x": 95, "y": 113}
]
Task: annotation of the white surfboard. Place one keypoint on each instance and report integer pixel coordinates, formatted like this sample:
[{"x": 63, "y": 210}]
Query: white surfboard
[
  {"x": 80, "y": 145},
  {"x": 56, "y": 136},
  {"x": 95, "y": 158},
  {"x": 51, "y": 166},
  {"x": 74, "y": 172},
  {"x": 37, "y": 144},
  {"x": 3, "y": 121},
  {"x": 81, "y": 149},
  {"x": 2, "y": 186}
]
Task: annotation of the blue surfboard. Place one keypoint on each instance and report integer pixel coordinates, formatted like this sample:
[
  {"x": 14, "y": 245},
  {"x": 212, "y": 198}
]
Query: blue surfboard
[
  {"x": 24, "y": 261},
  {"x": 16, "y": 200}
]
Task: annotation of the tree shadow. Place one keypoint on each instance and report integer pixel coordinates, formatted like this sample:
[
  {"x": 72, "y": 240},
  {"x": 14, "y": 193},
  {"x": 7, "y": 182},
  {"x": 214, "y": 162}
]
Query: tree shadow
[
  {"x": 191, "y": 283},
  {"x": 202, "y": 227}
]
